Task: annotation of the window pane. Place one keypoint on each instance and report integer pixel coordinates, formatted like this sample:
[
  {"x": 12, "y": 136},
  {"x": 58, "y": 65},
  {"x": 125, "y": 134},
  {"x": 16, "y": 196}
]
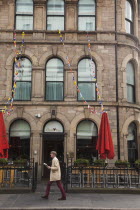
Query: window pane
[
  {"x": 86, "y": 24},
  {"x": 24, "y": 7},
  {"x": 86, "y": 70},
  {"x": 130, "y": 94},
  {"x": 55, "y": 7},
  {"x": 87, "y": 7},
  {"x": 20, "y": 128},
  {"x": 128, "y": 13},
  {"x": 55, "y": 23},
  {"x": 88, "y": 91},
  {"x": 54, "y": 70},
  {"x": 130, "y": 74},
  {"x": 25, "y": 71},
  {"x": 24, "y": 22},
  {"x": 86, "y": 129},
  {"x": 54, "y": 91},
  {"x": 53, "y": 126},
  {"x": 23, "y": 91},
  {"x": 128, "y": 27}
]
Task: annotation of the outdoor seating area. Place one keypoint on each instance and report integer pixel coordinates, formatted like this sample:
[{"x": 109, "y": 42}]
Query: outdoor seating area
[{"x": 99, "y": 177}]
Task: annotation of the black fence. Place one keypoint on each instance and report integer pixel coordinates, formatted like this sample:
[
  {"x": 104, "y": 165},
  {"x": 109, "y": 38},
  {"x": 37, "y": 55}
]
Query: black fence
[
  {"x": 101, "y": 177},
  {"x": 19, "y": 176}
]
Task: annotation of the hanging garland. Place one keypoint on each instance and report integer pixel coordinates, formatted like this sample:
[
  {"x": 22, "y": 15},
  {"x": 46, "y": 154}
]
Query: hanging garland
[
  {"x": 17, "y": 65},
  {"x": 93, "y": 75}
]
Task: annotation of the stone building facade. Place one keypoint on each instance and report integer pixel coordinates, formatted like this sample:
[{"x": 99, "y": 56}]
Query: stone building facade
[{"x": 112, "y": 48}]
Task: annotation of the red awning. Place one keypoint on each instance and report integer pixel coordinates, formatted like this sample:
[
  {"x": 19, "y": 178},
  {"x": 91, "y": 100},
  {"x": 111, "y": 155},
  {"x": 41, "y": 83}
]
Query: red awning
[
  {"x": 4, "y": 145},
  {"x": 105, "y": 145}
]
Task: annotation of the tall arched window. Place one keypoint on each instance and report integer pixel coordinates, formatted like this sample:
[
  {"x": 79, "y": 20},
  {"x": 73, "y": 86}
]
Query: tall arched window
[
  {"x": 19, "y": 140},
  {"x": 86, "y": 81},
  {"x": 55, "y": 14},
  {"x": 24, "y": 80},
  {"x": 24, "y": 14},
  {"x": 55, "y": 80},
  {"x": 129, "y": 17},
  {"x": 132, "y": 143},
  {"x": 87, "y": 133},
  {"x": 130, "y": 83},
  {"x": 87, "y": 15}
]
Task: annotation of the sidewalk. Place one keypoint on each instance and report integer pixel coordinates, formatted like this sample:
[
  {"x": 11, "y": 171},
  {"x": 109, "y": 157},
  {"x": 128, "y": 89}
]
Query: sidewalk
[{"x": 75, "y": 201}]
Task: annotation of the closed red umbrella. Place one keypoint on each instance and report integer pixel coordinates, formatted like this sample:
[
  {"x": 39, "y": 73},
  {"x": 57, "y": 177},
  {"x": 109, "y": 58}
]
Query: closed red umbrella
[
  {"x": 105, "y": 145},
  {"x": 4, "y": 145}
]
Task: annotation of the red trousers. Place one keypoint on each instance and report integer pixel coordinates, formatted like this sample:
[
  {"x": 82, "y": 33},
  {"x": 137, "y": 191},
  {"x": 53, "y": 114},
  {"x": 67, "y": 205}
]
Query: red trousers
[{"x": 59, "y": 184}]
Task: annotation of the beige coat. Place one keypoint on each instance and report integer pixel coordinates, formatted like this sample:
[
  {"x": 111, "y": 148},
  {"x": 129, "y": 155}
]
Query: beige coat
[{"x": 55, "y": 174}]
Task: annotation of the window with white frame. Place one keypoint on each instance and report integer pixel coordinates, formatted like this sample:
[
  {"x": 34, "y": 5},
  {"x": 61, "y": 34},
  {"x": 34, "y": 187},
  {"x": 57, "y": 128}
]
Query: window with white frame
[
  {"x": 55, "y": 15},
  {"x": 129, "y": 17},
  {"x": 55, "y": 80},
  {"x": 24, "y": 15},
  {"x": 24, "y": 80},
  {"x": 86, "y": 81},
  {"x": 130, "y": 72},
  {"x": 87, "y": 15}
]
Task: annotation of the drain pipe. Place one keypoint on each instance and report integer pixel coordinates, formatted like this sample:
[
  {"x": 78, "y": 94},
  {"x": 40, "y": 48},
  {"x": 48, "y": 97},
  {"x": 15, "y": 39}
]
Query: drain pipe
[{"x": 117, "y": 94}]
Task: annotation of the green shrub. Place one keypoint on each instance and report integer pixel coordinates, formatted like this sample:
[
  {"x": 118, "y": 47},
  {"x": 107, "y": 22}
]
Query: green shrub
[
  {"x": 137, "y": 163},
  {"x": 20, "y": 161},
  {"x": 3, "y": 161},
  {"x": 84, "y": 162},
  {"x": 99, "y": 162},
  {"x": 122, "y": 163}
]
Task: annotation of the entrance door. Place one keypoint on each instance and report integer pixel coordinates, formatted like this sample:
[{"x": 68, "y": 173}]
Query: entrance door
[
  {"x": 47, "y": 148},
  {"x": 53, "y": 140}
]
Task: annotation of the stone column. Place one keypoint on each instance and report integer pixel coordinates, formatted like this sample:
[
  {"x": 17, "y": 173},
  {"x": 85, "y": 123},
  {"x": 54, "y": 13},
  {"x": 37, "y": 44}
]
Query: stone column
[
  {"x": 70, "y": 88},
  {"x": 38, "y": 84},
  {"x": 11, "y": 15},
  {"x": 39, "y": 14},
  {"x": 71, "y": 15}
]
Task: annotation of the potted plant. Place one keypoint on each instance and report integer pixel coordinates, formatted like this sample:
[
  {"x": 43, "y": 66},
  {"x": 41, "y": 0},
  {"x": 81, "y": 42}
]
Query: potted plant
[
  {"x": 3, "y": 161},
  {"x": 99, "y": 163},
  {"x": 122, "y": 164},
  {"x": 20, "y": 161},
  {"x": 81, "y": 162},
  {"x": 137, "y": 164}
]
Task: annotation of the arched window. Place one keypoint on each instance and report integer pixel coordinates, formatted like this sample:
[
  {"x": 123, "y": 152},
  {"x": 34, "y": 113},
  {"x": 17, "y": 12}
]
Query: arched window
[
  {"x": 55, "y": 15},
  {"x": 86, "y": 81},
  {"x": 87, "y": 133},
  {"x": 19, "y": 140},
  {"x": 87, "y": 15},
  {"x": 23, "y": 80},
  {"x": 55, "y": 80},
  {"x": 130, "y": 83},
  {"x": 129, "y": 17},
  {"x": 132, "y": 143},
  {"x": 24, "y": 14}
]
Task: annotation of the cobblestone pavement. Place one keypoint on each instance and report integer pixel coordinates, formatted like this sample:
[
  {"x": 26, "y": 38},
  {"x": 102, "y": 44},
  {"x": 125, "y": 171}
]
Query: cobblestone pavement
[{"x": 74, "y": 201}]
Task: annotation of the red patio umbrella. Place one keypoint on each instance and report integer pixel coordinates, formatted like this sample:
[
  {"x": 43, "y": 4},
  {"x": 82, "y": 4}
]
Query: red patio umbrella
[
  {"x": 105, "y": 145},
  {"x": 4, "y": 145}
]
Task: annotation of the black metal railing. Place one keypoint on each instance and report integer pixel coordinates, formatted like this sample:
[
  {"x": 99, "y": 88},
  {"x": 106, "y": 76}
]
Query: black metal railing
[
  {"x": 102, "y": 177},
  {"x": 19, "y": 175}
]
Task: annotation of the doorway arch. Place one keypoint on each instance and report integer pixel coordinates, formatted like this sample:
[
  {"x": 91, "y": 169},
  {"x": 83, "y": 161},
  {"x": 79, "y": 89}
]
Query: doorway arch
[{"x": 53, "y": 140}]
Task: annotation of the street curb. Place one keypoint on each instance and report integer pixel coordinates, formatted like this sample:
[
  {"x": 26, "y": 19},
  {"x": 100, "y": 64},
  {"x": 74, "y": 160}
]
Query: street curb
[
  {"x": 67, "y": 208},
  {"x": 106, "y": 191}
]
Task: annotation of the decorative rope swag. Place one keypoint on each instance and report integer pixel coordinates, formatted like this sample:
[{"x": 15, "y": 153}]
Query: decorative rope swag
[
  {"x": 17, "y": 66},
  {"x": 93, "y": 75}
]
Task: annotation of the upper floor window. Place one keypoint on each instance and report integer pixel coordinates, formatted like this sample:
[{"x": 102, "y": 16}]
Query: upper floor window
[
  {"x": 130, "y": 72},
  {"x": 132, "y": 143},
  {"x": 55, "y": 15},
  {"x": 55, "y": 80},
  {"x": 129, "y": 17},
  {"x": 86, "y": 82},
  {"x": 23, "y": 81},
  {"x": 87, "y": 15},
  {"x": 24, "y": 14}
]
